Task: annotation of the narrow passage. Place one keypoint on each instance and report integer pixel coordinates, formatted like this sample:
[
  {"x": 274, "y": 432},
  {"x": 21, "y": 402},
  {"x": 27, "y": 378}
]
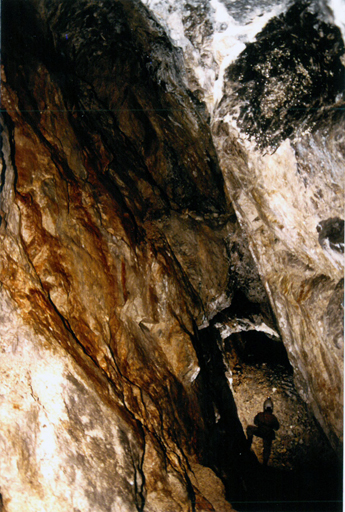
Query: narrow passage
[{"x": 303, "y": 472}]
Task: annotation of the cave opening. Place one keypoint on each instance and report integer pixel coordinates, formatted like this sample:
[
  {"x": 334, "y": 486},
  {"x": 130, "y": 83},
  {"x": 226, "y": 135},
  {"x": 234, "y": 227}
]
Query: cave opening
[
  {"x": 304, "y": 473},
  {"x": 255, "y": 347}
]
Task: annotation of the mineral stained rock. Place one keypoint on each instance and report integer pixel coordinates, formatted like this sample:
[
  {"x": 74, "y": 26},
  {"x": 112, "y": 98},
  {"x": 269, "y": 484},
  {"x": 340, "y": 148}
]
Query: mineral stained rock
[
  {"x": 110, "y": 205},
  {"x": 272, "y": 76},
  {"x": 135, "y": 204}
]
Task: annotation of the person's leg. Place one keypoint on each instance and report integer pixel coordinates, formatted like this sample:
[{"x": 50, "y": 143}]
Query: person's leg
[{"x": 267, "y": 450}]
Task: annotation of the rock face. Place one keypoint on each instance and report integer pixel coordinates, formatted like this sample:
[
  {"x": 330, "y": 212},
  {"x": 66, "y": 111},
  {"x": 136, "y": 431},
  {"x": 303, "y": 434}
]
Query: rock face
[
  {"x": 287, "y": 194},
  {"x": 134, "y": 209},
  {"x": 277, "y": 120}
]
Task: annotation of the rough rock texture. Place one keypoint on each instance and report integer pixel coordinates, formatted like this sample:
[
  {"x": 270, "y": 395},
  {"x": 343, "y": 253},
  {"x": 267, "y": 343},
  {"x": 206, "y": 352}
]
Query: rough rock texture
[
  {"x": 112, "y": 212},
  {"x": 285, "y": 196},
  {"x": 276, "y": 98},
  {"x": 121, "y": 192}
]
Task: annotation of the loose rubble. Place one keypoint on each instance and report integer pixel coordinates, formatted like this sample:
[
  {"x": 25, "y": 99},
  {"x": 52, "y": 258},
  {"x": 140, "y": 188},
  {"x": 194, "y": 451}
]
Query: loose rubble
[{"x": 302, "y": 465}]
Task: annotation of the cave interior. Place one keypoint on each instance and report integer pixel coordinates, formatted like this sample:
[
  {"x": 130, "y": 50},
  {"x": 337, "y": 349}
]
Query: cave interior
[{"x": 138, "y": 130}]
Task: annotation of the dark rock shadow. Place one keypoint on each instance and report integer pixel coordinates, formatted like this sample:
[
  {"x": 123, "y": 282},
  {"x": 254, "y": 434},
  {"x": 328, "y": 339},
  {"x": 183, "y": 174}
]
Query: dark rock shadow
[{"x": 271, "y": 489}]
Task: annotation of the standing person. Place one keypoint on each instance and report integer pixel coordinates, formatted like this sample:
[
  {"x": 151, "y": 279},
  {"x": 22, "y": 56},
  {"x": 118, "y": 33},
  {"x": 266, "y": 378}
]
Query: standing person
[{"x": 265, "y": 425}]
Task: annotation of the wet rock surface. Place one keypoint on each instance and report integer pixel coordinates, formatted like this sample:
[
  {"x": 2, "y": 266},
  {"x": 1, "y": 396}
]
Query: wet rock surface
[{"x": 103, "y": 248}]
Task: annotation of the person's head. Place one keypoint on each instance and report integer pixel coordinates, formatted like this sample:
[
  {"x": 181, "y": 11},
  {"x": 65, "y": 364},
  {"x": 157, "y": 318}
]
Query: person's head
[{"x": 268, "y": 404}]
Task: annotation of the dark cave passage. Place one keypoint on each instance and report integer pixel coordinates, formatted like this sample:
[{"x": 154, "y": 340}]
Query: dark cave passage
[
  {"x": 303, "y": 473},
  {"x": 257, "y": 348}
]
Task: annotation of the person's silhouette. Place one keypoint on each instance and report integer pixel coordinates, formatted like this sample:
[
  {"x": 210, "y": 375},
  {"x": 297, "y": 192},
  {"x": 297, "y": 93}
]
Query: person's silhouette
[{"x": 265, "y": 425}]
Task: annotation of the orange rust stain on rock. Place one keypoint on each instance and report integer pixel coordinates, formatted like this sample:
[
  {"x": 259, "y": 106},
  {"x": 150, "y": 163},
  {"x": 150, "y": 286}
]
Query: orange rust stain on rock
[
  {"x": 201, "y": 503},
  {"x": 42, "y": 316},
  {"x": 304, "y": 292}
]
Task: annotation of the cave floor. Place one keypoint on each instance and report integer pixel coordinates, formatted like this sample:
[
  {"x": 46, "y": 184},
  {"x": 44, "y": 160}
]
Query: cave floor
[{"x": 303, "y": 473}]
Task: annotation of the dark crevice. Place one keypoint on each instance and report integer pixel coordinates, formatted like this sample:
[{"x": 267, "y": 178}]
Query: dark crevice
[
  {"x": 225, "y": 448},
  {"x": 253, "y": 347},
  {"x": 3, "y": 162},
  {"x": 10, "y": 130}
]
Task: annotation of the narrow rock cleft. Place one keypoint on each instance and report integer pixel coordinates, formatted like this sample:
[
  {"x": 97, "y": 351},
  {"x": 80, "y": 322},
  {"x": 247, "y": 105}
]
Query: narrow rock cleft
[{"x": 155, "y": 261}]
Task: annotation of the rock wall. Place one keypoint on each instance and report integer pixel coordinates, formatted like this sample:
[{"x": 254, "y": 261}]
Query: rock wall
[
  {"x": 290, "y": 190},
  {"x": 113, "y": 211},
  {"x": 132, "y": 212},
  {"x": 272, "y": 76}
]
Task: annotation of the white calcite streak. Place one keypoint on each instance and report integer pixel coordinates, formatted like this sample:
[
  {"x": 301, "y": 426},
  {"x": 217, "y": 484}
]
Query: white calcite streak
[
  {"x": 226, "y": 41},
  {"x": 338, "y": 10}
]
